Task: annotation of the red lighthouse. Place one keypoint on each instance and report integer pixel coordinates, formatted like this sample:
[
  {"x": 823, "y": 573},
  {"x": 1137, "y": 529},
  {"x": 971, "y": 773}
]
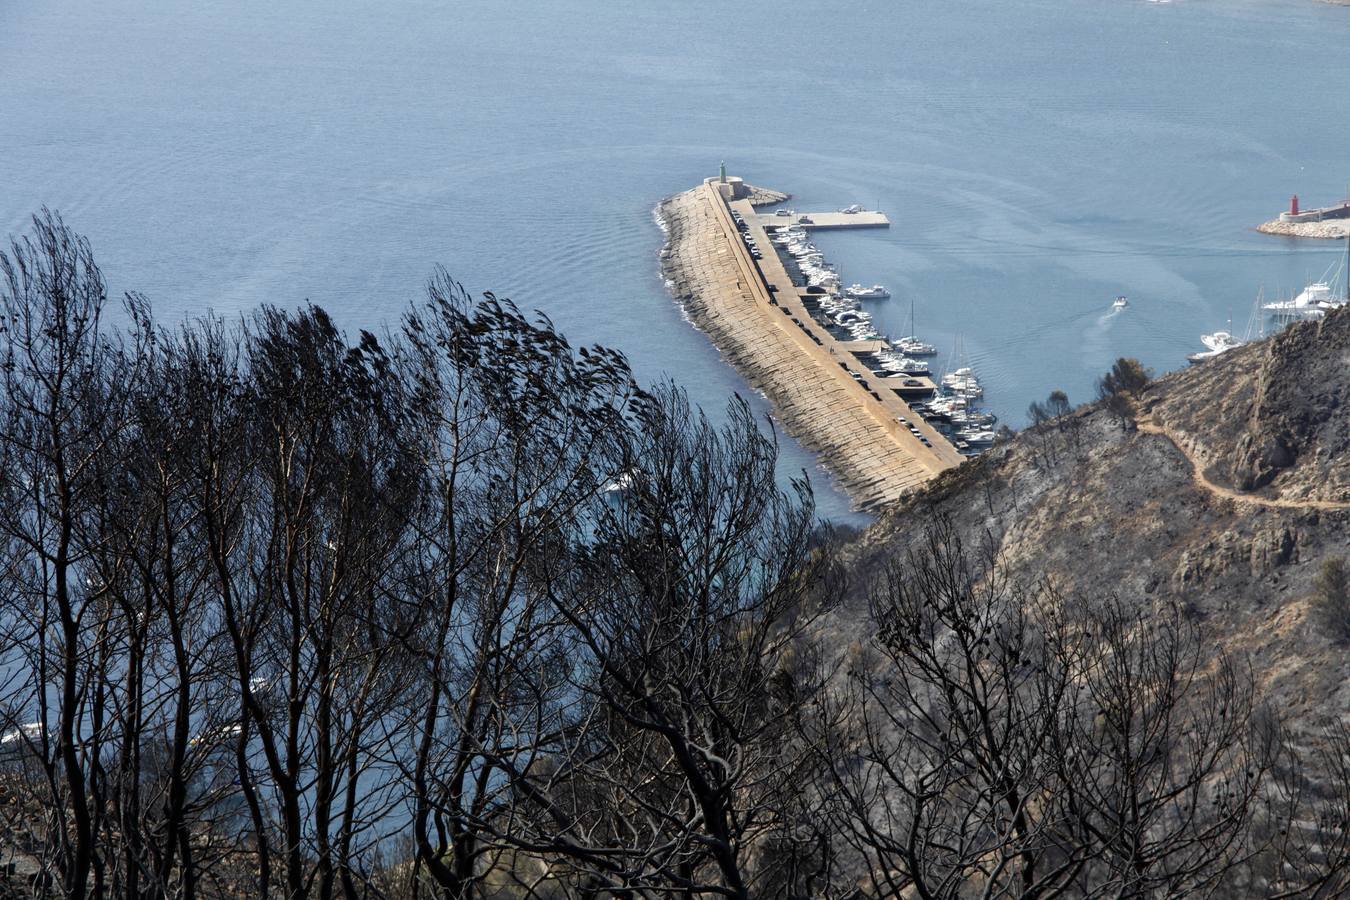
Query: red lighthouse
[{"x": 1293, "y": 205}]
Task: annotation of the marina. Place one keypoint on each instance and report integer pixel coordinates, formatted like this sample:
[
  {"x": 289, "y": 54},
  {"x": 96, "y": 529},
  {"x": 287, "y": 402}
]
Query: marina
[{"x": 881, "y": 421}]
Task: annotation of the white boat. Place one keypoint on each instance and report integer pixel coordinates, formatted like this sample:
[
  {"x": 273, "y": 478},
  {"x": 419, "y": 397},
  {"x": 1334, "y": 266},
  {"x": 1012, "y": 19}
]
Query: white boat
[
  {"x": 912, "y": 346},
  {"x": 850, "y": 210},
  {"x": 875, "y": 292},
  {"x": 1218, "y": 342},
  {"x": 970, "y": 419},
  {"x": 1311, "y": 303},
  {"x": 913, "y": 366},
  {"x": 903, "y": 364},
  {"x": 1120, "y": 302},
  {"x": 953, "y": 380},
  {"x": 976, "y": 438}
]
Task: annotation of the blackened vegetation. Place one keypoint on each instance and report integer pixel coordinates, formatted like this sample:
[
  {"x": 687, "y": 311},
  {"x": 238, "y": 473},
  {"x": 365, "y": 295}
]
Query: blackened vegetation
[
  {"x": 1121, "y": 387},
  {"x": 462, "y": 612}
]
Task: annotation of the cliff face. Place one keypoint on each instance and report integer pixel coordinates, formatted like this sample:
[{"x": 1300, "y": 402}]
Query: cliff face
[
  {"x": 1225, "y": 494},
  {"x": 1271, "y": 415}
]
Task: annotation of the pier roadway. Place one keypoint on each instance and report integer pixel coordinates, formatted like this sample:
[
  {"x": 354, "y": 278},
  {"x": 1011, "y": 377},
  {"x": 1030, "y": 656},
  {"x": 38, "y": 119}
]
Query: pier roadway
[
  {"x": 755, "y": 315},
  {"x": 829, "y": 221}
]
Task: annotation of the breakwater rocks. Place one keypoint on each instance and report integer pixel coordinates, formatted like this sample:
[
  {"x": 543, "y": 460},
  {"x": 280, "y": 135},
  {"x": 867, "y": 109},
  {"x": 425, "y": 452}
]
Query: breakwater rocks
[
  {"x": 813, "y": 401},
  {"x": 1327, "y": 229},
  {"x": 759, "y": 196}
]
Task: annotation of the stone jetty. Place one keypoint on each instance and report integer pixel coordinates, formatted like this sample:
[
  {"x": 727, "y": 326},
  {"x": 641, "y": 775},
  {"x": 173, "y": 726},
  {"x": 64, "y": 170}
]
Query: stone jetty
[{"x": 864, "y": 433}]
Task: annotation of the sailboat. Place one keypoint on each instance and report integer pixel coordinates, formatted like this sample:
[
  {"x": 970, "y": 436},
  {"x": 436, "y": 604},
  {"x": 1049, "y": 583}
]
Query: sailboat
[{"x": 910, "y": 344}]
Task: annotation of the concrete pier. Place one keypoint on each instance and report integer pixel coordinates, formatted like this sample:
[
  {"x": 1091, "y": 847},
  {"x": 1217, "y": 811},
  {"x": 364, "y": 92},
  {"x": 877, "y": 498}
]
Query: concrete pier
[
  {"x": 865, "y": 434},
  {"x": 827, "y": 221}
]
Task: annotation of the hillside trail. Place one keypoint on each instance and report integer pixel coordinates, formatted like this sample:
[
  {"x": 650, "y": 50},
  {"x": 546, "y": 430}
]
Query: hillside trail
[{"x": 1149, "y": 425}]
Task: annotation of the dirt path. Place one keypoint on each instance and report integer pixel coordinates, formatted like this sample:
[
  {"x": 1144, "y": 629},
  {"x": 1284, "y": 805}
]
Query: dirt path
[{"x": 1149, "y": 426}]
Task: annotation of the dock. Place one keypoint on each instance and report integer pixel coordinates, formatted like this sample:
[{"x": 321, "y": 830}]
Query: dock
[
  {"x": 858, "y": 422},
  {"x": 825, "y": 221}
]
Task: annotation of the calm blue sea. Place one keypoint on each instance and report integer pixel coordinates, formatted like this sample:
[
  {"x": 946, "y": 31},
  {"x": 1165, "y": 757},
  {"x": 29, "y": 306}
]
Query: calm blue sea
[{"x": 1037, "y": 157}]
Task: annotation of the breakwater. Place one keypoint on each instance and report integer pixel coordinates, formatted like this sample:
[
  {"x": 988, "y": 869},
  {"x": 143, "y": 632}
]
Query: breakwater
[{"x": 822, "y": 392}]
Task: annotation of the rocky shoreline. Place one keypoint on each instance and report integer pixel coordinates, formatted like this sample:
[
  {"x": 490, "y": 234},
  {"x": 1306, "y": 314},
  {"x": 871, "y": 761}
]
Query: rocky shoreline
[{"x": 1327, "y": 229}]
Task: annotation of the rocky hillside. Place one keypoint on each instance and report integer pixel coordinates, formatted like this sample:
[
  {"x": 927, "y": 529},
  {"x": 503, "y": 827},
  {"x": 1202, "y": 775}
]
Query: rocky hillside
[{"x": 1224, "y": 493}]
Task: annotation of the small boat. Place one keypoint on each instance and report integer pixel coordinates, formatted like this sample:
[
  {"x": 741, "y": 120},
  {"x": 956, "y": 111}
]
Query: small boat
[
  {"x": 850, "y": 210},
  {"x": 1218, "y": 342},
  {"x": 1120, "y": 302},
  {"x": 875, "y": 292}
]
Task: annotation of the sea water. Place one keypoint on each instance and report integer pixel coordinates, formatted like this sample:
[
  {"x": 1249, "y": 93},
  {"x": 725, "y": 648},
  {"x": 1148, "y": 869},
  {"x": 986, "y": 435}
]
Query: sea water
[{"x": 1036, "y": 157}]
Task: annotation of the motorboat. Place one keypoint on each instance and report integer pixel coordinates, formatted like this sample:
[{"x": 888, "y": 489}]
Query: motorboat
[
  {"x": 976, "y": 438},
  {"x": 1219, "y": 342},
  {"x": 910, "y": 366},
  {"x": 903, "y": 364},
  {"x": 1120, "y": 302},
  {"x": 962, "y": 376},
  {"x": 875, "y": 292}
]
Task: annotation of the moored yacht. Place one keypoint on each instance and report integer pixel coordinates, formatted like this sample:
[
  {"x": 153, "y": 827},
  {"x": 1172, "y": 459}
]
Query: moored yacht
[
  {"x": 1311, "y": 303},
  {"x": 977, "y": 438},
  {"x": 912, "y": 346},
  {"x": 875, "y": 292},
  {"x": 904, "y": 365}
]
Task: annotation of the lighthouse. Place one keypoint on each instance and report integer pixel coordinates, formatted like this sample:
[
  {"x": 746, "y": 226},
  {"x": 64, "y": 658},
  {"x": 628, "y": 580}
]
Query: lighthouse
[{"x": 1293, "y": 205}]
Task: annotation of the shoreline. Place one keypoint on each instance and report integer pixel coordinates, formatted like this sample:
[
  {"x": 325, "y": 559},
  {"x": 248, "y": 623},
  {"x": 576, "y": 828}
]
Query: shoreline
[{"x": 853, "y": 439}]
